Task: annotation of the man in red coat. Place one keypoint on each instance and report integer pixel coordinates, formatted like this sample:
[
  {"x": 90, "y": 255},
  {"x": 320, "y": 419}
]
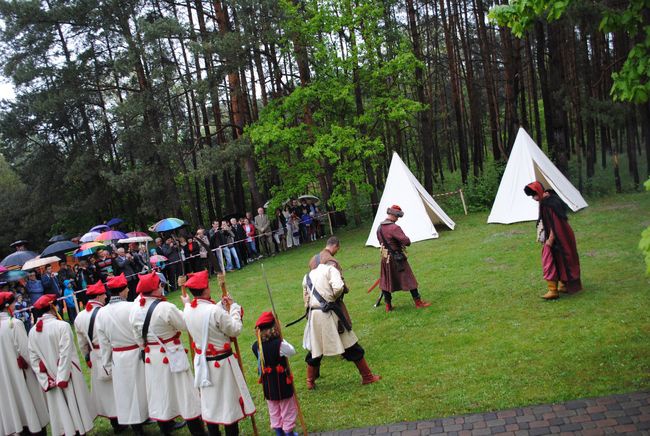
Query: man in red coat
[
  {"x": 560, "y": 260},
  {"x": 396, "y": 273}
]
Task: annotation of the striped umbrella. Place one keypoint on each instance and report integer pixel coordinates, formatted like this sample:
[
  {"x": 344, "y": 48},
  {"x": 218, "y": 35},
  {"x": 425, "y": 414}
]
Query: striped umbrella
[
  {"x": 110, "y": 236},
  {"x": 167, "y": 224}
]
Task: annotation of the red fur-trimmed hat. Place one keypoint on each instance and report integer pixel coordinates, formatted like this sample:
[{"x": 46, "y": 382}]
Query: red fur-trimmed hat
[
  {"x": 197, "y": 280},
  {"x": 395, "y": 210},
  {"x": 95, "y": 289},
  {"x": 266, "y": 319},
  {"x": 6, "y": 298},
  {"x": 45, "y": 301},
  {"x": 534, "y": 188},
  {"x": 116, "y": 282},
  {"x": 148, "y": 283}
]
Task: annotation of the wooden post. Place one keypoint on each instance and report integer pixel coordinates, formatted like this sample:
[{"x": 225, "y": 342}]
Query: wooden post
[
  {"x": 329, "y": 219},
  {"x": 462, "y": 198}
]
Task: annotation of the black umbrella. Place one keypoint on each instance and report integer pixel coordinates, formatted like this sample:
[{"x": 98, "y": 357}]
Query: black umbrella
[
  {"x": 19, "y": 242},
  {"x": 18, "y": 258},
  {"x": 58, "y": 238},
  {"x": 59, "y": 248}
]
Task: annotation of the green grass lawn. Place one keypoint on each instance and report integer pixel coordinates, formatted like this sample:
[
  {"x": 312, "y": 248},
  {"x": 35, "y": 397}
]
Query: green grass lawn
[{"x": 488, "y": 342}]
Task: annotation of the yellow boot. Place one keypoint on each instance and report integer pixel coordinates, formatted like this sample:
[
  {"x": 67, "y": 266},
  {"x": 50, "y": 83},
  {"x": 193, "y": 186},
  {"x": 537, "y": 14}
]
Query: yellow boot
[
  {"x": 561, "y": 287},
  {"x": 552, "y": 293}
]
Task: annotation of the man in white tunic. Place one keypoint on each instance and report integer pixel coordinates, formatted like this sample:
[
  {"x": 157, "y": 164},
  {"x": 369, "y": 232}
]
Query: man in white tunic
[
  {"x": 329, "y": 329},
  {"x": 170, "y": 384},
  {"x": 101, "y": 383},
  {"x": 54, "y": 359},
  {"x": 121, "y": 356},
  {"x": 23, "y": 404},
  {"x": 224, "y": 395}
]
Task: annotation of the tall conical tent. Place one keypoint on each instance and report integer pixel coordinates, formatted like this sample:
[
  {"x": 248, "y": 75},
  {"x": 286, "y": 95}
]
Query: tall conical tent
[
  {"x": 421, "y": 211},
  {"x": 527, "y": 163}
]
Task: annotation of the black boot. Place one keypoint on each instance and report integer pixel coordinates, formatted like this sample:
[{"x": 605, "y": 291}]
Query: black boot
[
  {"x": 137, "y": 429},
  {"x": 195, "y": 426},
  {"x": 117, "y": 428},
  {"x": 168, "y": 427},
  {"x": 213, "y": 430},
  {"x": 232, "y": 429}
]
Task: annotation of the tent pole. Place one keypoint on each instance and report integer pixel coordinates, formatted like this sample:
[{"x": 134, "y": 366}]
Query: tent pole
[{"x": 462, "y": 198}]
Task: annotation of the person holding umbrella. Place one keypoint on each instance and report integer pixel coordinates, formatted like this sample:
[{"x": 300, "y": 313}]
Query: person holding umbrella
[
  {"x": 18, "y": 385},
  {"x": 51, "y": 285},
  {"x": 54, "y": 359}
]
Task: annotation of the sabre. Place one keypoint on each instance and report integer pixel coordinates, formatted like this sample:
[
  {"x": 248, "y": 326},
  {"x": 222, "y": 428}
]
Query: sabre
[
  {"x": 301, "y": 418},
  {"x": 373, "y": 286},
  {"x": 224, "y": 293}
]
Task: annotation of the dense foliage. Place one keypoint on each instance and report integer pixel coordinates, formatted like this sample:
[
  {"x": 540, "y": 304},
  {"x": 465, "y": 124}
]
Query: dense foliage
[{"x": 151, "y": 108}]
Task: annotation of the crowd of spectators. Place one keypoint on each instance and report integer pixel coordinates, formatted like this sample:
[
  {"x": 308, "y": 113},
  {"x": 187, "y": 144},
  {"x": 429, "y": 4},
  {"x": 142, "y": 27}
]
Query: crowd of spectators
[{"x": 242, "y": 241}]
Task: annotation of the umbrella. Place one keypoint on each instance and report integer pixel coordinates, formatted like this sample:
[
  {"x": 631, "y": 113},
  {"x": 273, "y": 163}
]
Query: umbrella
[
  {"x": 99, "y": 228},
  {"x": 3, "y": 269},
  {"x": 135, "y": 239},
  {"x": 13, "y": 276},
  {"x": 59, "y": 248},
  {"x": 154, "y": 260},
  {"x": 18, "y": 258},
  {"x": 57, "y": 238},
  {"x": 91, "y": 245},
  {"x": 114, "y": 222},
  {"x": 89, "y": 237},
  {"x": 110, "y": 235},
  {"x": 39, "y": 261},
  {"x": 134, "y": 234},
  {"x": 167, "y": 224},
  {"x": 19, "y": 242},
  {"x": 309, "y": 197}
]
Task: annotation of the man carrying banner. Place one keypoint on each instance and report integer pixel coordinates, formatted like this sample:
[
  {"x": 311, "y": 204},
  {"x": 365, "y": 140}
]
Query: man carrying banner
[
  {"x": 224, "y": 395},
  {"x": 396, "y": 273},
  {"x": 329, "y": 329},
  {"x": 101, "y": 383},
  {"x": 121, "y": 356}
]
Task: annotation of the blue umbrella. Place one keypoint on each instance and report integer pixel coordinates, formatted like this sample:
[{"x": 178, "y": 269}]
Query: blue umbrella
[
  {"x": 167, "y": 224},
  {"x": 13, "y": 276},
  {"x": 114, "y": 222},
  {"x": 100, "y": 228}
]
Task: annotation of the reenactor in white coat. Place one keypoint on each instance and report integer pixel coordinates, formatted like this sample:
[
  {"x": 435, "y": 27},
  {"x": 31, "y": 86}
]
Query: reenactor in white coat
[
  {"x": 54, "y": 359},
  {"x": 170, "y": 384},
  {"x": 23, "y": 404},
  {"x": 121, "y": 356},
  {"x": 329, "y": 329},
  {"x": 101, "y": 382},
  {"x": 225, "y": 398}
]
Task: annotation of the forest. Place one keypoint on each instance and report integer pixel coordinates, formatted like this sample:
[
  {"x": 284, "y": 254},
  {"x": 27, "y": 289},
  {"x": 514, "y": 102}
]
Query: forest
[{"x": 145, "y": 109}]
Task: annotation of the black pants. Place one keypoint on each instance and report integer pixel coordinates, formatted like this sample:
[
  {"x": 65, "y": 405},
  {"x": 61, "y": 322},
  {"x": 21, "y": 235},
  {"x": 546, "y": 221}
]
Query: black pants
[
  {"x": 388, "y": 296},
  {"x": 352, "y": 354},
  {"x": 231, "y": 430}
]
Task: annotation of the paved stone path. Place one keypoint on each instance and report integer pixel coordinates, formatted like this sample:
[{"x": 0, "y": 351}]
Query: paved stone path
[{"x": 616, "y": 414}]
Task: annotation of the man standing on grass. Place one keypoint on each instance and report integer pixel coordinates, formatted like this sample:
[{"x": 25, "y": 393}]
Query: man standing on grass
[
  {"x": 263, "y": 226},
  {"x": 329, "y": 328},
  {"x": 225, "y": 398},
  {"x": 157, "y": 326},
  {"x": 101, "y": 382},
  {"x": 560, "y": 260},
  {"x": 121, "y": 356},
  {"x": 396, "y": 273}
]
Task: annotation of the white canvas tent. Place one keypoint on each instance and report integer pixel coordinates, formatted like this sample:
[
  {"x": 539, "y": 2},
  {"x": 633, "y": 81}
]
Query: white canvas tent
[
  {"x": 527, "y": 163},
  {"x": 421, "y": 211}
]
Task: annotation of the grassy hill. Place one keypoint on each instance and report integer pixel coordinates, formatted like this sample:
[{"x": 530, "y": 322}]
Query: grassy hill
[{"x": 488, "y": 342}]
